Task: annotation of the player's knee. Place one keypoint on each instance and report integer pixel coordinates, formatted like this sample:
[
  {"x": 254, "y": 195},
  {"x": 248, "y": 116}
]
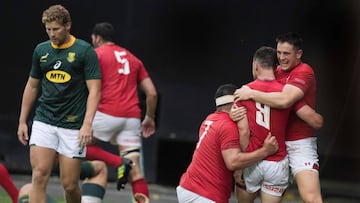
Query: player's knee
[
  {"x": 104, "y": 168},
  {"x": 25, "y": 189},
  {"x": 70, "y": 186},
  {"x": 40, "y": 176}
]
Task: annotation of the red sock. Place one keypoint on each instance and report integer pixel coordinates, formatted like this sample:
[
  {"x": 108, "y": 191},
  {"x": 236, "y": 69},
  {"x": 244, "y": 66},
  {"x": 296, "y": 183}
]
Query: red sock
[
  {"x": 8, "y": 184},
  {"x": 140, "y": 186},
  {"x": 97, "y": 153}
]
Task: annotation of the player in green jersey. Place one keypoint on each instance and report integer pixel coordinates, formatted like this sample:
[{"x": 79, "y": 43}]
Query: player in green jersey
[{"x": 65, "y": 73}]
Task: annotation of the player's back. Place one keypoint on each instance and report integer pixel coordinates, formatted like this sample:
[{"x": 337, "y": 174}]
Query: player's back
[
  {"x": 207, "y": 173},
  {"x": 122, "y": 72},
  {"x": 264, "y": 120}
]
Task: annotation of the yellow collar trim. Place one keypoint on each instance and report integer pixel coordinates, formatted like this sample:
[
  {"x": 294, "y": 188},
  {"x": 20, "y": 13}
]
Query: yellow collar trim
[{"x": 66, "y": 45}]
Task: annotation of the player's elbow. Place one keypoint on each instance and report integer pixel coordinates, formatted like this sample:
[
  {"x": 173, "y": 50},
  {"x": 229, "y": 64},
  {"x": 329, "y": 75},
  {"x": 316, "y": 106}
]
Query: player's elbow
[
  {"x": 284, "y": 103},
  {"x": 152, "y": 94},
  {"x": 234, "y": 165},
  {"x": 238, "y": 161},
  {"x": 318, "y": 122}
]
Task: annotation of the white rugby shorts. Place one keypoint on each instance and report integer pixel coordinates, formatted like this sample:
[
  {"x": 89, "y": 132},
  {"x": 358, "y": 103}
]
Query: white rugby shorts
[
  {"x": 269, "y": 176},
  {"x": 117, "y": 130},
  {"x": 303, "y": 155},
  {"x": 187, "y": 196},
  {"x": 64, "y": 141}
]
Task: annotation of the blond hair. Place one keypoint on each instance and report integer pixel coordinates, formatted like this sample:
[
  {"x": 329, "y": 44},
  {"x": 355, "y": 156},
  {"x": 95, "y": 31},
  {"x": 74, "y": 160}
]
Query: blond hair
[{"x": 56, "y": 13}]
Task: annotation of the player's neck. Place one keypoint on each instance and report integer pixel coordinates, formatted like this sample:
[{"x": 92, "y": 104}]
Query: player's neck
[
  {"x": 266, "y": 78},
  {"x": 106, "y": 43}
]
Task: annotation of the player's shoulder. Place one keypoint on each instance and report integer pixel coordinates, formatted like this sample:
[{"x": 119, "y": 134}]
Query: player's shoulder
[
  {"x": 222, "y": 118},
  {"x": 304, "y": 67},
  {"x": 81, "y": 42},
  {"x": 43, "y": 45}
]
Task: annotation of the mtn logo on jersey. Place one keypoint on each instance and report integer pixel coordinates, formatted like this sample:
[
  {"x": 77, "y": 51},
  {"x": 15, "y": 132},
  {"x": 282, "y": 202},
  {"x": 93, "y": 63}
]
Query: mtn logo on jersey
[{"x": 58, "y": 76}]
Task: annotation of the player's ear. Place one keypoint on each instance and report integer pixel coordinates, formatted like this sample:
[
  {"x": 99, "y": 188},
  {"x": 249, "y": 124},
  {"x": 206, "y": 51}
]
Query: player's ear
[
  {"x": 299, "y": 53},
  {"x": 68, "y": 26}
]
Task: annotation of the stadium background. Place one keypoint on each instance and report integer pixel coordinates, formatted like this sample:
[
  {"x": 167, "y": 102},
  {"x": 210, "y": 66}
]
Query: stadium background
[{"x": 191, "y": 47}]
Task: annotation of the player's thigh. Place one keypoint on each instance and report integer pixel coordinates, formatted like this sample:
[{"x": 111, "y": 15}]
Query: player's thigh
[
  {"x": 309, "y": 185},
  {"x": 69, "y": 170},
  {"x": 42, "y": 160},
  {"x": 243, "y": 196},
  {"x": 43, "y": 144},
  {"x": 265, "y": 197}
]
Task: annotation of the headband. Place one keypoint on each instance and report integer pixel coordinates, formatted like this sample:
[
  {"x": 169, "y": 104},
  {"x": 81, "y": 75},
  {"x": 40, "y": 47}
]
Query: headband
[{"x": 224, "y": 100}]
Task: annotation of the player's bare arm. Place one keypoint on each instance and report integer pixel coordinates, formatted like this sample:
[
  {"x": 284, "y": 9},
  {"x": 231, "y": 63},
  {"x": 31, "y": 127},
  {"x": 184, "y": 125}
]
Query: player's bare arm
[
  {"x": 31, "y": 91},
  {"x": 284, "y": 99},
  {"x": 85, "y": 134},
  {"x": 148, "y": 124},
  {"x": 310, "y": 116},
  {"x": 235, "y": 159}
]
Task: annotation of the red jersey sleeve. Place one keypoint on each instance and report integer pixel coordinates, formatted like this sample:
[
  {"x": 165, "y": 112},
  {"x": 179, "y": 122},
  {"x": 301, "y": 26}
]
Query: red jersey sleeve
[{"x": 302, "y": 77}]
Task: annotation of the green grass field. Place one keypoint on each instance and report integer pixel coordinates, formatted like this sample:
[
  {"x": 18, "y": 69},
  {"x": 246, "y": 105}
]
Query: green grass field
[{"x": 4, "y": 198}]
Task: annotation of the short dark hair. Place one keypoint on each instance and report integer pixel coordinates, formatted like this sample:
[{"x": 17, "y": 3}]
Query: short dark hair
[
  {"x": 105, "y": 30},
  {"x": 266, "y": 57},
  {"x": 291, "y": 38}
]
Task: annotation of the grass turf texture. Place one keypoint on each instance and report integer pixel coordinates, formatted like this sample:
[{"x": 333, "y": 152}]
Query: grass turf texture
[{"x": 4, "y": 197}]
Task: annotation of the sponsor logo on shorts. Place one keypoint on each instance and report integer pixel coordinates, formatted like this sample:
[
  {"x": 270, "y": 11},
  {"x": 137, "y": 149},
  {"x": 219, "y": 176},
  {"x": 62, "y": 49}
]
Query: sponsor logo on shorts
[{"x": 274, "y": 188}]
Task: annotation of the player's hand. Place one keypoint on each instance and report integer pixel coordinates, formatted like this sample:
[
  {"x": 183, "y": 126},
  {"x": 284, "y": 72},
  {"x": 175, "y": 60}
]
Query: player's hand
[
  {"x": 270, "y": 144},
  {"x": 85, "y": 135},
  {"x": 237, "y": 113},
  {"x": 23, "y": 134},
  {"x": 239, "y": 180},
  {"x": 242, "y": 93},
  {"x": 148, "y": 126}
]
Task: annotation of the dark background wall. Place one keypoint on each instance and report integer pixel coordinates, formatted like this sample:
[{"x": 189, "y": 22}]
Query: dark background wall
[{"x": 191, "y": 47}]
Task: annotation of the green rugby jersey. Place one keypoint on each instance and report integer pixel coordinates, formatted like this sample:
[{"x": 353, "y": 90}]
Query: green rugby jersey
[{"x": 63, "y": 72}]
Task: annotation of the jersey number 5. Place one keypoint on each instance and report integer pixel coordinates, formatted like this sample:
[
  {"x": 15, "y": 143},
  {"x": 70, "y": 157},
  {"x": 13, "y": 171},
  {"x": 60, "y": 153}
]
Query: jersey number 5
[{"x": 125, "y": 63}]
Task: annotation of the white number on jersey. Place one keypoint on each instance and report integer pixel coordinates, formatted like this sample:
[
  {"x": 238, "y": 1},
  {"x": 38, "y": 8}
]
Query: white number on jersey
[
  {"x": 207, "y": 124},
  {"x": 119, "y": 57},
  {"x": 263, "y": 115}
]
